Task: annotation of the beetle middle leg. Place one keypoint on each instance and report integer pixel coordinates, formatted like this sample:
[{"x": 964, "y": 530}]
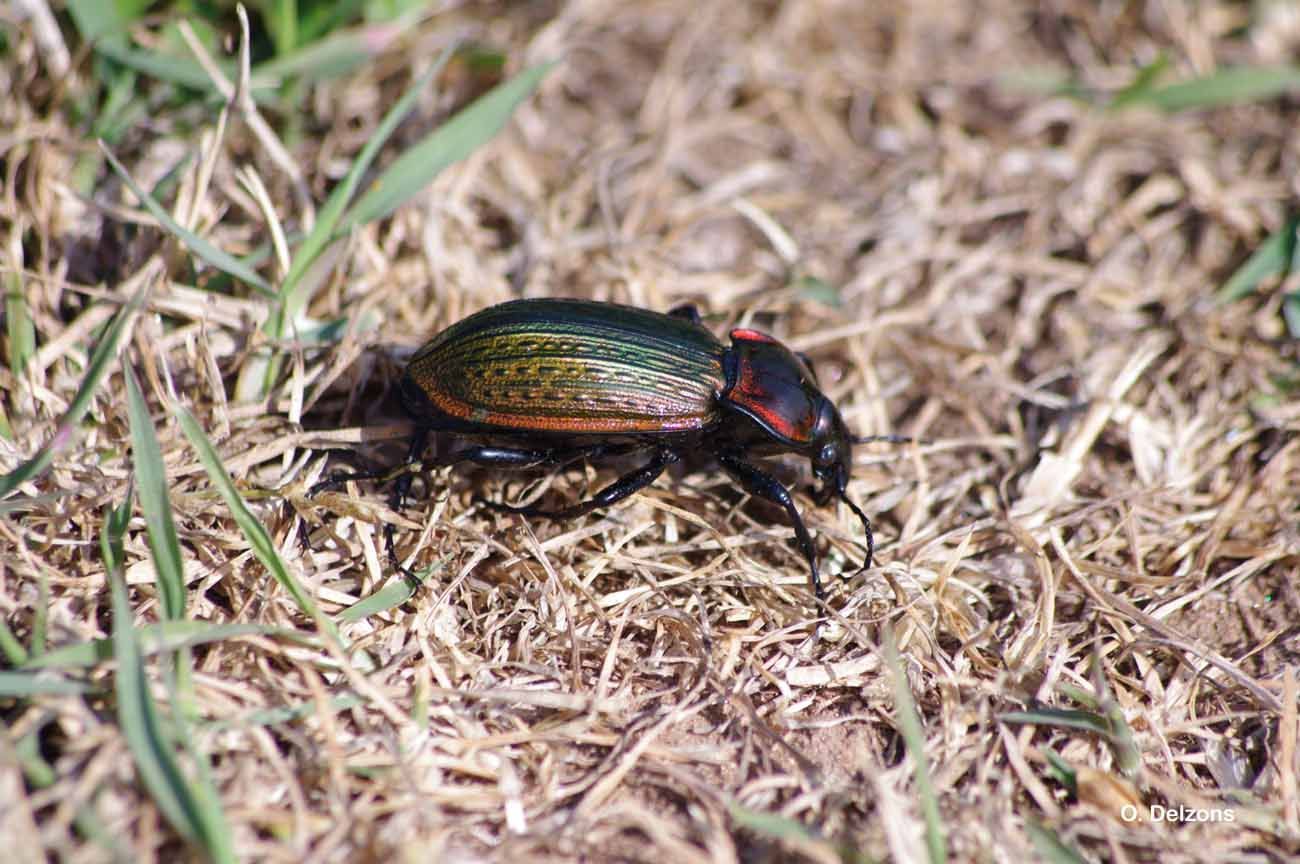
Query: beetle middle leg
[
  {"x": 490, "y": 456},
  {"x": 628, "y": 484},
  {"x": 764, "y": 485}
]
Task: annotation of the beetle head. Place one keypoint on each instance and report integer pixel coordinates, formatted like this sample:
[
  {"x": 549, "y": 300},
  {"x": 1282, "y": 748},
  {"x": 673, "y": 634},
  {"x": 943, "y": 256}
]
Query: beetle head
[
  {"x": 830, "y": 449},
  {"x": 832, "y": 461}
]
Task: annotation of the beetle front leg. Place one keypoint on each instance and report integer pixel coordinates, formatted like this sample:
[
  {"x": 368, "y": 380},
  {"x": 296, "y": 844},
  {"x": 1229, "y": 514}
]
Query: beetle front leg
[
  {"x": 764, "y": 485},
  {"x": 628, "y": 484},
  {"x": 401, "y": 472},
  {"x": 401, "y": 487}
]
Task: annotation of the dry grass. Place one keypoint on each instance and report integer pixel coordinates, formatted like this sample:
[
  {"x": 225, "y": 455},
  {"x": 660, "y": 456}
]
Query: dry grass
[{"x": 1104, "y": 517}]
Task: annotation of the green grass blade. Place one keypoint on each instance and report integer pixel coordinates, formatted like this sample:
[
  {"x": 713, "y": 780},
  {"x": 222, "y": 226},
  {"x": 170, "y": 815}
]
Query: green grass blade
[
  {"x": 329, "y": 57},
  {"x": 1233, "y": 85},
  {"x": 27, "y": 684},
  {"x": 105, "y": 20},
  {"x": 1123, "y": 744},
  {"x": 1063, "y": 772},
  {"x": 110, "y": 535},
  {"x": 1110, "y": 725},
  {"x": 142, "y": 726},
  {"x": 119, "y": 111},
  {"x": 1061, "y": 718},
  {"x": 254, "y": 532},
  {"x": 449, "y": 143},
  {"x": 1291, "y": 313},
  {"x": 182, "y": 71},
  {"x": 21, "y": 333},
  {"x": 171, "y": 69},
  {"x": 793, "y": 834},
  {"x": 395, "y": 593},
  {"x": 817, "y": 290},
  {"x": 319, "y": 19},
  {"x": 40, "y": 773},
  {"x": 12, "y": 649},
  {"x": 327, "y": 221},
  {"x": 214, "y": 830},
  {"x": 100, "y": 361},
  {"x": 776, "y": 827},
  {"x": 909, "y": 726},
  {"x": 281, "y": 20},
  {"x": 151, "y": 479},
  {"x": 294, "y": 291},
  {"x": 163, "y": 637},
  {"x": 1051, "y": 847},
  {"x": 1276, "y": 256},
  {"x": 40, "y": 614},
  {"x": 218, "y": 258},
  {"x": 1143, "y": 84}
]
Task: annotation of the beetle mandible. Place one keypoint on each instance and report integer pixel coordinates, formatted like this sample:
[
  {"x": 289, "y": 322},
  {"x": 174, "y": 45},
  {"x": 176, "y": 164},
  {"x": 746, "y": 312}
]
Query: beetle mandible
[{"x": 546, "y": 381}]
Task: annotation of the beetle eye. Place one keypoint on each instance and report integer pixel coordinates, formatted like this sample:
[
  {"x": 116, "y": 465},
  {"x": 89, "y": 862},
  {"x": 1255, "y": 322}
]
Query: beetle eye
[{"x": 828, "y": 455}]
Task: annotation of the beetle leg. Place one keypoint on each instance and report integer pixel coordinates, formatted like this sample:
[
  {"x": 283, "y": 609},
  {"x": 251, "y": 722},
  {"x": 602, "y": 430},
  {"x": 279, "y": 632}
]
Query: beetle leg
[
  {"x": 502, "y": 457},
  {"x": 403, "y": 484},
  {"x": 688, "y": 311},
  {"x": 628, "y": 484},
  {"x": 402, "y": 474},
  {"x": 764, "y": 485},
  {"x": 401, "y": 489}
]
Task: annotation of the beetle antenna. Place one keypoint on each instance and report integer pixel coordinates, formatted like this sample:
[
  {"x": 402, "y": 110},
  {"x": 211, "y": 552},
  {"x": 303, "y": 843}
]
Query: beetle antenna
[
  {"x": 883, "y": 439},
  {"x": 866, "y": 526}
]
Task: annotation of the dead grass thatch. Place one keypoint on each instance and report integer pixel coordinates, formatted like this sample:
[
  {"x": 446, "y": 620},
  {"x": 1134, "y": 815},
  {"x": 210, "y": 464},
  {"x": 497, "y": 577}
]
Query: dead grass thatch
[{"x": 1102, "y": 518}]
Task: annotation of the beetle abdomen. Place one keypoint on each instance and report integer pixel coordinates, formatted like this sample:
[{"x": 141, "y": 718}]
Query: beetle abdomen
[{"x": 573, "y": 366}]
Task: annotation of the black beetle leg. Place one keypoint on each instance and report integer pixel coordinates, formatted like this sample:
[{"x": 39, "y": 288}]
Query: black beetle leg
[
  {"x": 339, "y": 478},
  {"x": 628, "y": 484},
  {"x": 688, "y": 311},
  {"x": 402, "y": 488},
  {"x": 403, "y": 485},
  {"x": 522, "y": 457},
  {"x": 402, "y": 473},
  {"x": 502, "y": 457},
  {"x": 764, "y": 485},
  {"x": 497, "y": 457}
]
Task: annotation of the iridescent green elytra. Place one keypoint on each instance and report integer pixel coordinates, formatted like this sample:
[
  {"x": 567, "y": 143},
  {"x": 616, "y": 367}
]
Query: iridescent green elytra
[{"x": 572, "y": 366}]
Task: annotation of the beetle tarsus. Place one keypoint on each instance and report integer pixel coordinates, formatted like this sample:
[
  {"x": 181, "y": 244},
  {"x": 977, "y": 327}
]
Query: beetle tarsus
[
  {"x": 764, "y": 485},
  {"x": 866, "y": 527},
  {"x": 625, "y": 486},
  {"x": 339, "y": 479}
]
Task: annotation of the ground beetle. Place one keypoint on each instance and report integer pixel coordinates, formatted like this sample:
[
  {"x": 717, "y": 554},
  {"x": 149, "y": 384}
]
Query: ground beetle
[{"x": 546, "y": 381}]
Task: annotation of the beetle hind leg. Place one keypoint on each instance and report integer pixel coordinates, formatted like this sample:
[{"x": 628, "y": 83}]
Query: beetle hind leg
[{"x": 625, "y": 486}]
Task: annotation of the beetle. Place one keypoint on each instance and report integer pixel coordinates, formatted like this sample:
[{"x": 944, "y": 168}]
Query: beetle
[{"x": 545, "y": 381}]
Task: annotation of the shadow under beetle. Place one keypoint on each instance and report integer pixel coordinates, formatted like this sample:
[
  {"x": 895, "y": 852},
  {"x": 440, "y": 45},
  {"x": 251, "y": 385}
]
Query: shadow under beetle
[{"x": 548, "y": 381}]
